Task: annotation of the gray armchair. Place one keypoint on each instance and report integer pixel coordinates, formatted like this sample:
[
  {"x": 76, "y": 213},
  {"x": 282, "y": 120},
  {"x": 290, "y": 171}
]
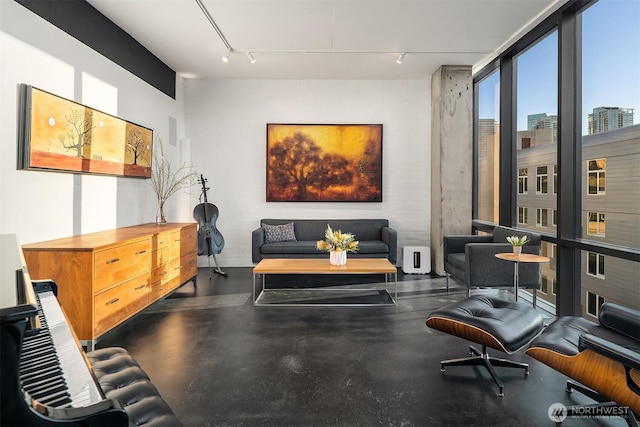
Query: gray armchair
[{"x": 471, "y": 260}]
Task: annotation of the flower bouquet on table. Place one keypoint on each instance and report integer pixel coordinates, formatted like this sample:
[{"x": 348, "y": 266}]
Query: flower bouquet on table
[
  {"x": 517, "y": 243},
  {"x": 337, "y": 244}
]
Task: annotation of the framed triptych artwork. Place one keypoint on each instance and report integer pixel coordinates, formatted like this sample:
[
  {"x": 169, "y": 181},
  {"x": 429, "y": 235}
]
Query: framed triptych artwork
[{"x": 56, "y": 134}]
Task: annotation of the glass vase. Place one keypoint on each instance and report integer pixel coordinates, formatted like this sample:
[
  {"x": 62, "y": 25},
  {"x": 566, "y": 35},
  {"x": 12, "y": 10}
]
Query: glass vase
[{"x": 160, "y": 218}]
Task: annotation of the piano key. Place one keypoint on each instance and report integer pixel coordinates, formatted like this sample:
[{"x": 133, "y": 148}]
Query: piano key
[
  {"x": 40, "y": 377},
  {"x": 49, "y": 390},
  {"x": 26, "y": 372},
  {"x": 57, "y": 401},
  {"x": 81, "y": 384}
]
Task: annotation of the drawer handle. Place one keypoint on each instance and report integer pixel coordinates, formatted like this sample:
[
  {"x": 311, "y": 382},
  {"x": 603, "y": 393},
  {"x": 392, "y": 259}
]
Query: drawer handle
[
  {"x": 113, "y": 301},
  {"x": 177, "y": 240},
  {"x": 111, "y": 261},
  {"x": 178, "y": 268},
  {"x": 141, "y": 252},
  {"x": 140, "y": 287}
]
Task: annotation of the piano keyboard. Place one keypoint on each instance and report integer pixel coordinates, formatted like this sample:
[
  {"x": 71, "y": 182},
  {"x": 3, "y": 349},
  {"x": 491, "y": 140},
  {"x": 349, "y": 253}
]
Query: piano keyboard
[{"x": 52, "y": 367}]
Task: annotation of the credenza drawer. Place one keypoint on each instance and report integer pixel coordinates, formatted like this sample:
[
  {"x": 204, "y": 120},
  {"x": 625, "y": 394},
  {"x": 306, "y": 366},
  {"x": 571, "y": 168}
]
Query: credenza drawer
[
  {"x": 183, "y": 269},
  {"x": 159, "y": 258},
  {"x": 118, "y": 303},
  {"x": 114, "y": 265},
  {"x": 158, "y": 290},
  {"x": 189, "y": 264},
  {"x": 161, "y": 241},
  {"x": 160, "y": 273},
  {"x": 183, "y": 241}
]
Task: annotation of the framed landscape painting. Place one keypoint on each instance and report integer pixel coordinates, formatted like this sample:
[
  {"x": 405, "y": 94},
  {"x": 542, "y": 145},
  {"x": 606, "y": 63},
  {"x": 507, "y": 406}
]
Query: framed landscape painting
[
  {"x": 324, "y": 162},
  {"x": 56, "y": 134}
]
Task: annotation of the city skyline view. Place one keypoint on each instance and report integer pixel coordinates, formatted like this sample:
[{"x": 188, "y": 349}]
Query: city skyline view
[
  {"x": 603, "y": 187},
  {"x": 610, "y": 62}
]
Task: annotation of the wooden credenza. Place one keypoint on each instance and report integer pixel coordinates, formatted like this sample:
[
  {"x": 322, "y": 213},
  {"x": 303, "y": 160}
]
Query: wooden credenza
[{"x": 106, "y": 277}]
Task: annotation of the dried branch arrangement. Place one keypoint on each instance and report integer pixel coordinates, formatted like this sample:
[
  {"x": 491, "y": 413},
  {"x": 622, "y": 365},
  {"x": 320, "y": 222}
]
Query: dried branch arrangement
[{"x": 165, "y": 181}]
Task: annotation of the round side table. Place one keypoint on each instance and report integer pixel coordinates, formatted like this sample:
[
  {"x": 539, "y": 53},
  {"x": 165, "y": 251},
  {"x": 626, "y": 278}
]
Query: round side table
[{"x": 516, "y": 260}]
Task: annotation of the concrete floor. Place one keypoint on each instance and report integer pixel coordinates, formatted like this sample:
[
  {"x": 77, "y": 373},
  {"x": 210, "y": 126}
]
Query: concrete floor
[{"x": 219, "y": 361}]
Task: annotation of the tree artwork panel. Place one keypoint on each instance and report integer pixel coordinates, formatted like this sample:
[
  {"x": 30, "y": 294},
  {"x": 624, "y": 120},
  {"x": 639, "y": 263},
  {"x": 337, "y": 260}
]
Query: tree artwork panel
[
  {"x": 324, "y": 163},
  {"x": 57, "y": 134}
]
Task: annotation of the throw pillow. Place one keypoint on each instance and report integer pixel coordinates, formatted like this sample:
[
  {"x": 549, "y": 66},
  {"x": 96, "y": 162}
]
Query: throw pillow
[{"x": 278, "y": 233}]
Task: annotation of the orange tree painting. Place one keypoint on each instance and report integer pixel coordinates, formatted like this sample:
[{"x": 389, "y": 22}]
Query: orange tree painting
[
  {"x": 331, "y": 163},
  {"x": 61, "y": 135}
]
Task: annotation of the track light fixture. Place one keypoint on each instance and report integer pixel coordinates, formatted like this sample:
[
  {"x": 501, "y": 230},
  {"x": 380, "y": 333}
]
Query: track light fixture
[
  {"x": 226, "y": 57},
  {"x": 251, "y": 58},
  {"x": 400, "y": 58}
]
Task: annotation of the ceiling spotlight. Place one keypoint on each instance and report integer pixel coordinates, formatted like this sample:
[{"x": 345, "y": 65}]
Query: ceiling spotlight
[
  {"x": 251, "y": 58},
  {"x": 226, "y": 57},
  {"x": 400, "y": 58}
]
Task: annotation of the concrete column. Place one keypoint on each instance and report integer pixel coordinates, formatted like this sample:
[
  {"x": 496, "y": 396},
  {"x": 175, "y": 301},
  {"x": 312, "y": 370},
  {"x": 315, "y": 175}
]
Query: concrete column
[{"x": 451, "y": 156}]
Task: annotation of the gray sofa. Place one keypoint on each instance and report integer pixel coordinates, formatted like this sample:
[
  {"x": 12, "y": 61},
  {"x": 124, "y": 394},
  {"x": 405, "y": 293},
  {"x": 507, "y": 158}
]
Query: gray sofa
[{"x": 377, "y": 239}]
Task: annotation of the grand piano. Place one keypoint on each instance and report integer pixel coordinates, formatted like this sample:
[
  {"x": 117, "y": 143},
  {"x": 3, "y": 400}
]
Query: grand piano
[{"x": 47, "y": 378}]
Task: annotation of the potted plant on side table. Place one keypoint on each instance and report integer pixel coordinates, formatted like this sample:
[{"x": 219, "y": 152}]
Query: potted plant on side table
[{"x": 517, "y": 243}]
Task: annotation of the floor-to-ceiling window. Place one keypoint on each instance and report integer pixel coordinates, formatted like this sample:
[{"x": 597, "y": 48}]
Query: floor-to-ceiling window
[
  {"x": 610, "y": 174},
  {"x": 487, "y": 119},
  {"x": 570, "y": 107},
  {"x": 536, "y": 142}
]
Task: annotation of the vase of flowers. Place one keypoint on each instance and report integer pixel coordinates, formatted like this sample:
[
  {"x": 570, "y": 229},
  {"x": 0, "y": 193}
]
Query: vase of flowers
[
  {"x": 337, "y": 244},
  {"x": 517, "y": 243}
]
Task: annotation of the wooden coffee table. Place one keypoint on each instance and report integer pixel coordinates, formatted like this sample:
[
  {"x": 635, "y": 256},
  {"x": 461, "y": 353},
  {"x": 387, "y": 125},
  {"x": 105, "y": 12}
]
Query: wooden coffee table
[{"x": 320, "y": 266}]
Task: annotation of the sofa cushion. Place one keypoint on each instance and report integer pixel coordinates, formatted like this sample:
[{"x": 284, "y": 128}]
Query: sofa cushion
[
  {"x": 373, "y": 247},
  {"x": 279, "y": 233},
  {"x": 457, "y": 260},
  {"x": 298, "y": 247}
]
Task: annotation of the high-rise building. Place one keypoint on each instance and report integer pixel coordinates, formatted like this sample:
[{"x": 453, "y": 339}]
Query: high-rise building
[
  {"x": 488, "y": 168},
  {"x": 532, "y": 120},
  {"x": 487, "y": 133},
  {"x": 544, "y": 121},
  {"x": 609, "y": 118}
]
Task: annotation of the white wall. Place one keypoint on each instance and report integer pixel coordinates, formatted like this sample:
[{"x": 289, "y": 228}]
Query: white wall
[
  {"x": 45, "y": 205},
  {"x": 223, "y": 127},
  {"x": 226, "y": 124}
]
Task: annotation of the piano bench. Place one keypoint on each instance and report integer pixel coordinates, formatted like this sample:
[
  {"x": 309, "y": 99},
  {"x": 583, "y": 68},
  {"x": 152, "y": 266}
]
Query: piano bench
[{"x": 122, "y": 379}]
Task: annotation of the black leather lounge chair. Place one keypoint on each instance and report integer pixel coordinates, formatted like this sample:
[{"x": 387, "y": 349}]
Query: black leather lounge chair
[
  {"x": 505, "y": 325},
  {"x": 602, "y": 359}
]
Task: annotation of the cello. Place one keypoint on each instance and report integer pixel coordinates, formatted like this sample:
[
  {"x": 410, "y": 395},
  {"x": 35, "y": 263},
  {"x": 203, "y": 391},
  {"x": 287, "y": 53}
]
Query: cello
[{"x": 210, "y": 240}]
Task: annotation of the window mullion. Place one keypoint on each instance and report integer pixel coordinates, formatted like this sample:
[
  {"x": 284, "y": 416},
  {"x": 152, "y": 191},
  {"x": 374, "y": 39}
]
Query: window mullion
[{"x": 569, "y": 162}]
